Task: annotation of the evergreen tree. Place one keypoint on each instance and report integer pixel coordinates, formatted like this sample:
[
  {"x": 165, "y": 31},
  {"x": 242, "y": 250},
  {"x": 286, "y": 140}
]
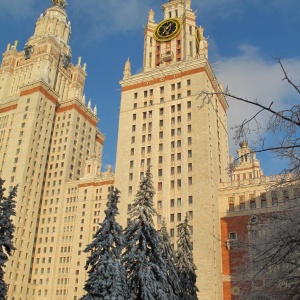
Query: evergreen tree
[
  {"x": 7, "y": 228},
  {"x": 185, "y": 263},
  {"x": 170, "y": 258},
  {"x": 143, "y": 257},
  {"x": 107, "y": 276}
]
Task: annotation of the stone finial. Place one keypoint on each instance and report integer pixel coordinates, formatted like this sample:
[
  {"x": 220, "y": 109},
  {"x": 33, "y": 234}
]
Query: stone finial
[
  {"x": 16, "y": 44},
  {"x": 79, "y": 61},
  {"x": 151, "y": 16},
  {"x": 83, "y": 99},
  {"x": 84, "y": 66},
  {"x": 60, "y": 3},
  {"x": 127, "y": 69},
  {"x": 90, "y": 104},
  {"x": 8, "y": 47},
  {"x": 244, "y": 144},
  {"x": 95, "y": 110}
]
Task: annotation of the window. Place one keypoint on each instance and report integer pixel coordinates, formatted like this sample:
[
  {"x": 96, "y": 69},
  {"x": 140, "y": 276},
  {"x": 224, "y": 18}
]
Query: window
[
  {"x": 173, "y": 87},
  {"x": 172, "y": 203},
  {"x": 135, "y": 95},
  {"x": 132, "y": 151},
  {"x": 189, "y": 104},
  {"x": 252, "y": 204},
  {"x": 296, "y": 193},
  {"x": 189, "y": 128},
  {"x": 162, "y": 89},
  {"x": 190, "y": 180},
  {"x": 172, "y": 232},
  {"x": 161, "y": 134},
  {"x": 159, "y": 204},
  {"x": 188, "y": 93},
  {"x": 178, "y": 201},
  {"x": 160, "y": 172},
  {"x": 178, "y": 217},
  {"x": 134, "y": 117},
  {"x": 160, "y": 159},
  {"x": 263, "y": 200},
  {"x": 189, "y": 141},
  {"x": 160, "y": 147},
  {"x": 161, "y": 111},
  {"x": 159, "y": 186},
  {"x": 171, "y": 217},
  {"x": 274, "y": 197},
  {"x": 188, "y": 82},
  {"x": 286, "y": 196},
  {"x": 189, "y": 153},
  {"x": 232, "y": 235},
  {"x": 190, "y": 200}
]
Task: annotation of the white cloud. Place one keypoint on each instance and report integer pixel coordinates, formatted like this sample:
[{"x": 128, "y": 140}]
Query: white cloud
[{"x": 251, "y": 76}]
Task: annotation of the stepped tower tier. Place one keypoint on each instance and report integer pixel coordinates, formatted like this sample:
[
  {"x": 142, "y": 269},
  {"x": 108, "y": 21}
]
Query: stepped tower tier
[
  {"x": 166, "y": 123},
  {"x": 175, "y": 39},
  {"x": 48, "y": 140}
]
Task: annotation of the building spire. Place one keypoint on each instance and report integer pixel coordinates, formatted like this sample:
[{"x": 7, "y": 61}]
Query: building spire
[
  {"x": 127, "y": 69},
  {"x": 60, "y": 3}
]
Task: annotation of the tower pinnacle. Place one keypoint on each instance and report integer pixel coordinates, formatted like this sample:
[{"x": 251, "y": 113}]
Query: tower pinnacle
[{"x": 60, "y": 3}]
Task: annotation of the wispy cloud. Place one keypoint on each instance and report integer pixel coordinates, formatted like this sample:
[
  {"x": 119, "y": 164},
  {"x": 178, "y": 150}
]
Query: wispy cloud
[{"x": 251, "y": 76}]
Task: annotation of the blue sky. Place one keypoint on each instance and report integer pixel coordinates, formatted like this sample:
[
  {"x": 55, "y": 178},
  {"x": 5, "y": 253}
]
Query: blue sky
[{"x": 243, "y": 37}]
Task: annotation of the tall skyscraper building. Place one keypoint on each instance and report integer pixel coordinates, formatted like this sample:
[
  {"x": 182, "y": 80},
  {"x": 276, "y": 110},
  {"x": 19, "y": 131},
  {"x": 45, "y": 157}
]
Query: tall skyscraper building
[
  {"x": 51, "y": 147},
  {"x": 167, "y": 124}
]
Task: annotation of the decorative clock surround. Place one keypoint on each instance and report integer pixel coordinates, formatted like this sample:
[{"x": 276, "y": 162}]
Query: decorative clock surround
[{"x": 167, "y": 29}]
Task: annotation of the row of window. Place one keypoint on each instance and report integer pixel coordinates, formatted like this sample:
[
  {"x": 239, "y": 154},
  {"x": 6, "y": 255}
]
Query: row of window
[
  {"x": 262, "y": 199},
  {"x": 174, "y": 108}
]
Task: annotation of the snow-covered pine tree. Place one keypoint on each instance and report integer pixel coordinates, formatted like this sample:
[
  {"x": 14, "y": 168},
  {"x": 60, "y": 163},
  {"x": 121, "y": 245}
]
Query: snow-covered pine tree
[
  {"x": 185, "y": 264},
  {"x": 107, "y": 276},
  {"x": 170, "y": 258},
  {"x": 143, "y": 258},
  {"x": 7, "y": 228}
]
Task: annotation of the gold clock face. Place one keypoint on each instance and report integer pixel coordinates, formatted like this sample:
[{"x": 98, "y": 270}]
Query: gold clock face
[{"x": 167, "y": 30}]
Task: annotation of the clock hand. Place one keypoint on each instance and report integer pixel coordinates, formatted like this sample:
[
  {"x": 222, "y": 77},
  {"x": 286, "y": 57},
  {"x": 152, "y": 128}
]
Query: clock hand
[{"x": 166, "y": 28}]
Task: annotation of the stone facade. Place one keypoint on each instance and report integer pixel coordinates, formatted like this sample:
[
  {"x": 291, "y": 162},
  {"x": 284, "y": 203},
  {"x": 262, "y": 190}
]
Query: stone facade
[
  {"x": 165, "y": 123},
  {"x": 48, "y": 135},
  {"x": 51, "y": 147}
]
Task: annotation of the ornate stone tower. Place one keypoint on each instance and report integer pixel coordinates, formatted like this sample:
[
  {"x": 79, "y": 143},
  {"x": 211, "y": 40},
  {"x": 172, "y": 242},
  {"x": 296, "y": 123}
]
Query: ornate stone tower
[
  {"x": 166, "y": 123},
  {"x": 46, "y": 134}
]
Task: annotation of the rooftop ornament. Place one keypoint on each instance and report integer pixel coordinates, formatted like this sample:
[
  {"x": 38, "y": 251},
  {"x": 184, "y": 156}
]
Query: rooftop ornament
[{"x": 60, "y": 3}]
